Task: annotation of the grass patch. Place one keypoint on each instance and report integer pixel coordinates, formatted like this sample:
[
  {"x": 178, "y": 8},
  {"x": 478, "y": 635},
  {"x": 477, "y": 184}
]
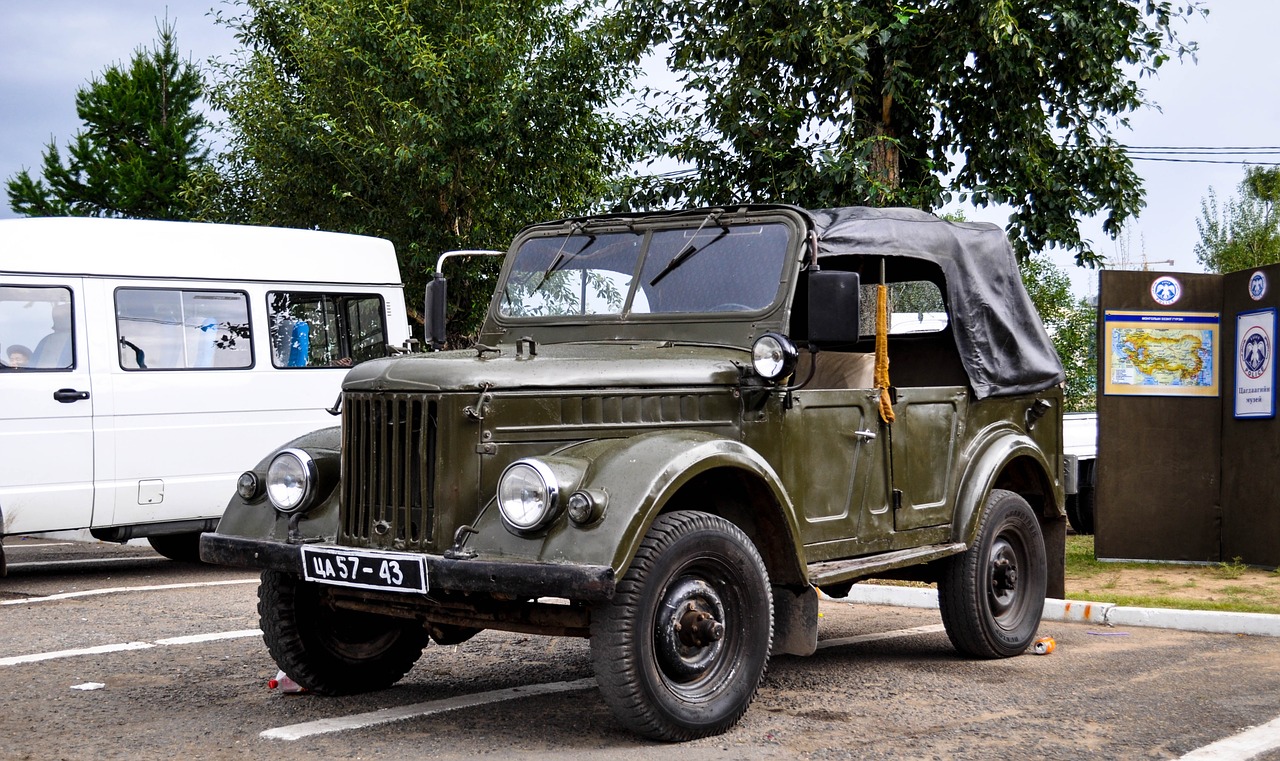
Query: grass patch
[
  {"x": 1233, "y": 570},
  {"x": 1182, "y": 603},
  {"x": 1095, "y": 581}
]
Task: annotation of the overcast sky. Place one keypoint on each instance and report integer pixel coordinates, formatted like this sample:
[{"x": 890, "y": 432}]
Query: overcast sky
[{"x": 1231, "y": 98}]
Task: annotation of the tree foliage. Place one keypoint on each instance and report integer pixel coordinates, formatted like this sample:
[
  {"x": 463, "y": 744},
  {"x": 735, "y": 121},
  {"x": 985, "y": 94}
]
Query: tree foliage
[
  {"x": 1072, "y": 326},
  {"x": 142, "y": 139},
  {"x": 438, "y": 125},
  {"x": 906, "y": 102},
  {"x": 1245, "y": 232}
]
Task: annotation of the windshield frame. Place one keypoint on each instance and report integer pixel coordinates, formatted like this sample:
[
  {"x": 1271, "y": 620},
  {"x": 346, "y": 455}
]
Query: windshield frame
[{"x": 701, "y": 227}]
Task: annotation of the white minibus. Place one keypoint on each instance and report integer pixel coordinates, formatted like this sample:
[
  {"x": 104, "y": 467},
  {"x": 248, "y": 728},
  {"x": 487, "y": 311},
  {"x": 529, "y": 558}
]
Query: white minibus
[{"x": 145, "y": 365}]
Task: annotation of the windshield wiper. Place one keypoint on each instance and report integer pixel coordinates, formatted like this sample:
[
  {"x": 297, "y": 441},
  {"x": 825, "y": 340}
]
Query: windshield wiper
[
  {"x": 561, "y": 258},
  {"x": 691, "y": 248}
]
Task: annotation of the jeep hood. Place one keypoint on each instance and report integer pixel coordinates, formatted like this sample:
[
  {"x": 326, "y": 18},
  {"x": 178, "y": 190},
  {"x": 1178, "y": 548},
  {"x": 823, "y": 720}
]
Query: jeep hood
[{"x": 552, "y": 366}]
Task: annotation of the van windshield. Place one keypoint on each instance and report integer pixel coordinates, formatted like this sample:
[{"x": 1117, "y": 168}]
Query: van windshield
[{"x": 736, "y": 268}]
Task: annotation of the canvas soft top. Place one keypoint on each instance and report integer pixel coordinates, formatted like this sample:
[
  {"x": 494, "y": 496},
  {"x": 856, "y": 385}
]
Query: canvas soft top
[{"x": 1002, "y": 343}]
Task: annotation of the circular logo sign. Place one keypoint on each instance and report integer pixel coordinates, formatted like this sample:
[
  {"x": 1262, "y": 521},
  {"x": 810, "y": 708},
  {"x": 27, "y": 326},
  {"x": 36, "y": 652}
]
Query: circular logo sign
[
  {"x": 1257, "y": 286},
  {"x": 1166, "y": 290},
  {"x": 1255, "y": 352}
]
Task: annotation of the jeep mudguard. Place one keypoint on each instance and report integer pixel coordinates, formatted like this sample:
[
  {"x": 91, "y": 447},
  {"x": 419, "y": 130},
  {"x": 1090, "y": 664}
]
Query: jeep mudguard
[
  {"x": 643, "y": 474},
  {"x": 1002, "y": 448},
  {"x": 257, "y": 519}
]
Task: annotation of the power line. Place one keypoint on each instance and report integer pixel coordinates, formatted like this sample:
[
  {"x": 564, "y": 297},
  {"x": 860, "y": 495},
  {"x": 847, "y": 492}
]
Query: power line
[{"x": 1237, "y": 162}]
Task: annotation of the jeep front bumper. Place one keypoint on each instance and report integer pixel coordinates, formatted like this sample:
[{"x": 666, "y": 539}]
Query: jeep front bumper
[{"x": 518, "y": 579}]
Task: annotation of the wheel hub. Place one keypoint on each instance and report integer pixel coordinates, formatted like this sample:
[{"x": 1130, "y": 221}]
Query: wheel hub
[
  {"x": 1004, "y": 576},
  {"x": 689, "y": 629}
]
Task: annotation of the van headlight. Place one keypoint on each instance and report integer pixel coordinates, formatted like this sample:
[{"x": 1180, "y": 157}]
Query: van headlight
[
  {"x": 291, "y": 480},
  {"x": 528, "y": 495}
]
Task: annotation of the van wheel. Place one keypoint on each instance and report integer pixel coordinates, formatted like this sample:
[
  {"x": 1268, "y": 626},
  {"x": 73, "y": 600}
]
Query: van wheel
[
  {"x": 680, "y": 651},
  {"x": 1080, "y": 505},
  {"x": 185, "y": 548},
  {"x": 991, "y": 596},
  {"x": 328, "y": 650}
]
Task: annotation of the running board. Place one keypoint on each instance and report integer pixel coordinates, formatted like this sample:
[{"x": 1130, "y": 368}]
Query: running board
[{"x": 835, "y": 571}]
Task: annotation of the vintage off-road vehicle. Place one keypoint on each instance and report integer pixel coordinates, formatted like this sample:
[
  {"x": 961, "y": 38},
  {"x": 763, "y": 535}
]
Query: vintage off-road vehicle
[{"x": 672, "y": 429}]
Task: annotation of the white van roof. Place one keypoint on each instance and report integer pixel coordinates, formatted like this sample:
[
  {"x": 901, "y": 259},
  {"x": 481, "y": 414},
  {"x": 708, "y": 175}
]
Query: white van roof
[{"x": 192, "y": 251}]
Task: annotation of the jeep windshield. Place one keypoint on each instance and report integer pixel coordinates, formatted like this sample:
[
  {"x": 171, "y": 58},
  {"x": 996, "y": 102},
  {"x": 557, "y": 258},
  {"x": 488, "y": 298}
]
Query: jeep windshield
[{"x": 714, "y": 267}]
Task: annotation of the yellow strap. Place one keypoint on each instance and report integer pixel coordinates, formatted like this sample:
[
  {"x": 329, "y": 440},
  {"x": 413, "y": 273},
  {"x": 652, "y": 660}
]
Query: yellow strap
[{"x": 882, "y": 352}]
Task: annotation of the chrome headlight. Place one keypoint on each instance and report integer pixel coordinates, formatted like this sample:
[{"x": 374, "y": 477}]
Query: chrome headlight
[
  {"x": 528, "y": 495},
  {"x": 774, "y": 356},
  {"x": 291, "y": 480}
]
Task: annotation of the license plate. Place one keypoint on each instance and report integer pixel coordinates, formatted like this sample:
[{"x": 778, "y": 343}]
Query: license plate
[{"x": 396, "y": 571}]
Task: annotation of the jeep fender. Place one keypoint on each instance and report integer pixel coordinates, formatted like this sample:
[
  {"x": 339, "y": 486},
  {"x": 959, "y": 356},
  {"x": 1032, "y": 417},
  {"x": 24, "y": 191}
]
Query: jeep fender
[
  {"x": 643, "y": 474},
  {"x": 996, "y": 453},
  {"x": 258, "y": 519}
]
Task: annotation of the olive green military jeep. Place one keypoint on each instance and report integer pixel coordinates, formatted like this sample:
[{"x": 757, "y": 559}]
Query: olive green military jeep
[{"x": 673, "y": 428}]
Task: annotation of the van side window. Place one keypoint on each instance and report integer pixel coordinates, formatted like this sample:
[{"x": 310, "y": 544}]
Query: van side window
[
  {"x": 172, "y": 329},
  {"x": 36, "y": 331},
  {"x": 325, "y": 329}
]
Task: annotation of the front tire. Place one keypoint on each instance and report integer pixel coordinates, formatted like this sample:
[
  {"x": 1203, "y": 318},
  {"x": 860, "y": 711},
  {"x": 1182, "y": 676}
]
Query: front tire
[
  {"x": 680, "y": 651},
  {"x": 328, "y": 650},
  {"x": 991, "y": 596}
]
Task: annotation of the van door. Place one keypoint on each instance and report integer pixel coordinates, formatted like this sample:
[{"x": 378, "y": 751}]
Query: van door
[{"x": 46, "y": 406}]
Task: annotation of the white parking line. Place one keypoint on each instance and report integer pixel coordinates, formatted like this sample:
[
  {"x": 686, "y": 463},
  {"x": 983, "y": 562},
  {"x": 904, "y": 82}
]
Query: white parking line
[
  {"x": 1248, "y": 744},
  {"x": 17, "y": 660},
  {"x": 39, "y": 546},
  {"x": 116, "y": 590},
  {"x": 399, "y": 713},
  {"x": 86, "y": 561},
  {"x": 123, "y": 646}
]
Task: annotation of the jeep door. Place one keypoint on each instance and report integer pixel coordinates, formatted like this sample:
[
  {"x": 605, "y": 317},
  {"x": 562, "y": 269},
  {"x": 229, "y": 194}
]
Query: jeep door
[
  {"x": 926, "y": 436},
  {"x": 836, "y": 467}
]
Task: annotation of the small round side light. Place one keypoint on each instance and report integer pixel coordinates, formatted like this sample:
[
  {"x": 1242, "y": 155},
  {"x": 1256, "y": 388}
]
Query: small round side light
[
  {"x": 247, "y": 486},
  {"x": 585, "y": 506}
]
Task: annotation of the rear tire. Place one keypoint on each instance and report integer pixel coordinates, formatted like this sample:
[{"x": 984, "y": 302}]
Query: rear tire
[
  {"x": 991, "y": 596},
  {"x": 184, "y": 548},
  {"x": 328, "y": 650},
  {"x": 680, "y": 651}
]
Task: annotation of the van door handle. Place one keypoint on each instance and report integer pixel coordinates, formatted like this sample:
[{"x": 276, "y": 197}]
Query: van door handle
[{"x": 69, "y": 395}]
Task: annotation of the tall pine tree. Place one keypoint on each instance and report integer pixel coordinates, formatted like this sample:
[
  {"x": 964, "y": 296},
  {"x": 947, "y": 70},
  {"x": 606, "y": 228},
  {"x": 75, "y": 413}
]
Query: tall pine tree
[{"x": 142, "y": 139}]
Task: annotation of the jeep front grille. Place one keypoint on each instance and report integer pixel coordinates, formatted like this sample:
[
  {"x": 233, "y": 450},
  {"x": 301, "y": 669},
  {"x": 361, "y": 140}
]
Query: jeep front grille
[{"x": 388, "y": 470}]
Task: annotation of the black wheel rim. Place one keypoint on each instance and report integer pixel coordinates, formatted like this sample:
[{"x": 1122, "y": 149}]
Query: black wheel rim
[
  {"x": 350, "y": 636},
  {"x": 697, "y": 633},
  {"x": 1007, "y": 563}
]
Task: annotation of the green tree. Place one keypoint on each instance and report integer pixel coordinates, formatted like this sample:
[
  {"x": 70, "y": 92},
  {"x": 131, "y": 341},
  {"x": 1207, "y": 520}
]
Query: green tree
[
  {"x": 1245, "y": 233},
  {"x": 1072, "y": 326},
  {"x": 437, "y": 125},
  {"x": 143, "y": 138},
  {"x": 906, "y": 102}
]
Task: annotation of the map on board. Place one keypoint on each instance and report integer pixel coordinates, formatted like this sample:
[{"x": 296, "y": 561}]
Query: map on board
[{"x": 1162, "y": 354}]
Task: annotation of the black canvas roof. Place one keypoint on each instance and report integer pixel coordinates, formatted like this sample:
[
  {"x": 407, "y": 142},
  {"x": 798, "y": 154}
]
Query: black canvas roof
[{"x": 1002, "y": 343}]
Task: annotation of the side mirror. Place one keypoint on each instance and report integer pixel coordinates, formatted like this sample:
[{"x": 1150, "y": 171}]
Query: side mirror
[
  {"x": 833, "y": 307},
  {"x": 433, "y": 313}
]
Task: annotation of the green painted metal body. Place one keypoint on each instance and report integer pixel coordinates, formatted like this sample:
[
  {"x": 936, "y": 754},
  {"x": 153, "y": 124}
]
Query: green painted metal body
[{"x": 668, "y": 414}]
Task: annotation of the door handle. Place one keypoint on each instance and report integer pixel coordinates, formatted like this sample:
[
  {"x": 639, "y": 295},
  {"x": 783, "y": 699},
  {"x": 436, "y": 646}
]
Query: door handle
[
  {"x": 69, "y": 395},
  {"x": 865, "y": 435}
]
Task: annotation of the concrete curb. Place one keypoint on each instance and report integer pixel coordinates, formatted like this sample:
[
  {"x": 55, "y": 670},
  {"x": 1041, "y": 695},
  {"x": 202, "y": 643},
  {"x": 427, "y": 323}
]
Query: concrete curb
[{"x": 1100, "y": 613}]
